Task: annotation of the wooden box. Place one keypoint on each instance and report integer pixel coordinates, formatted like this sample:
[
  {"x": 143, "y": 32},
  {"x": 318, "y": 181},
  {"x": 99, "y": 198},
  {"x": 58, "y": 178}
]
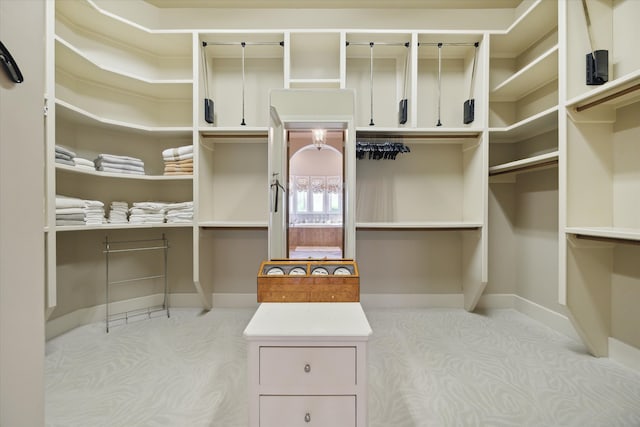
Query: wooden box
[{"x": 309, "y": 281}]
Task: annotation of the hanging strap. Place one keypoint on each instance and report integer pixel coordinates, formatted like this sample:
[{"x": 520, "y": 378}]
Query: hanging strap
[
  {"x": 243, "y": 44},
  {"x": 371, "y": 81},
  {"x": 206, "y": 71},
  {"x": 588, "y": 21},
  {"x": 439, "y": 81},
  {"x": 473, "y": 70},
  {"x": 406, "y": 73}
]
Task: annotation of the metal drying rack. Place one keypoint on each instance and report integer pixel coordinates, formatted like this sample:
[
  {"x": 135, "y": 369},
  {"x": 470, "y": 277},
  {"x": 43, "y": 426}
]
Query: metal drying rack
[{"x": 127, "y": 246}]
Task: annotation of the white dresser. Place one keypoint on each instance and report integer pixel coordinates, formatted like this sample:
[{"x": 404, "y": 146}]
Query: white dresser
[{"x": 308, "y": 365}]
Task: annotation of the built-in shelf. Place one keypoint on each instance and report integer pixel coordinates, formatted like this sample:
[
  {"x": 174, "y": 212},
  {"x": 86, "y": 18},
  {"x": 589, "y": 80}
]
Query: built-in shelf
[
  {"x": 526, "y": 165},
  {"x": 233, "y": 224},
  {"x": 418, "y": 225},
  {"x": 617, "y": 93},
  {"x": 72, "y": 113},
  {"x": 535, "y": 125},
  {"x": 74, "y": 169},
  {"x": 84, "y": 64},
  {"x": 122, "y": 226},
  {"x": 534, "y": 75},
  {"x": 606, "y": 233}
]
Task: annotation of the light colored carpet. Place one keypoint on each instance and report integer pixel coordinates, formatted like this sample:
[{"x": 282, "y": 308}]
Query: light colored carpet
[{"x": 436, "y": 367}]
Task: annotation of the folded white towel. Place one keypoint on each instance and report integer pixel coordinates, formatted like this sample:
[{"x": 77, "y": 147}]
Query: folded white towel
[
  {"x": 119, "y": 166},
  {"x": 118, "y": 159},
  {"x": 150, "y": 205},
  {"x": 71, "y": 217},
  {"x": 65, "y": 162},
  {"x": 69, "y": 202},
  {"x": 184, "y": 156},
  {"x": 119, "y": 170},
  {"x": 79, "y": 161},
  {"x": 180, "y": 205},
  {"x": 59, "y": 149},
  {"x": 93, "y": 203},
  {"x": 171, "y": 153},
  {"x": 62, "y": 211}
]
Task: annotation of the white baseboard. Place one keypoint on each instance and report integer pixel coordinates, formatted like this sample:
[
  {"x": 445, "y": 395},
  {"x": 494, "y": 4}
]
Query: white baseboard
[
  {"x": 550, "y": 318},
  {"x": 624, "y": 354},
  {"x": 411, "y": 300}
]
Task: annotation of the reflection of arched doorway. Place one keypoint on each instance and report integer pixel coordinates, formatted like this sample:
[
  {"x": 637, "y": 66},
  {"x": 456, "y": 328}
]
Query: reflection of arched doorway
[{"x": 315, "y": 214}]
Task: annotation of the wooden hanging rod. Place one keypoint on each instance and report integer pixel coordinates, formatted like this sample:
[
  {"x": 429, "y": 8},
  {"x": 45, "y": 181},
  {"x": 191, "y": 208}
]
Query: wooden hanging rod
[{"x": 608, "y": 98}]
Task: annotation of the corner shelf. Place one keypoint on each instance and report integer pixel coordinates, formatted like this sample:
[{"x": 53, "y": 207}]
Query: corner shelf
[
  {"x": 534, "y": 75},
  {"x": 539, "y": 19},
  {"x": 78, "y": 115},
  {"x": 538, "y": 124}
]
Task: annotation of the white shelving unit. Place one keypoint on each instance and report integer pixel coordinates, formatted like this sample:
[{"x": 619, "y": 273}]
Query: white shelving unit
[
  {"x": 524, "y": 154},
  {"x": 603, "y": 178},
  {"x": 115, "y": 88}
]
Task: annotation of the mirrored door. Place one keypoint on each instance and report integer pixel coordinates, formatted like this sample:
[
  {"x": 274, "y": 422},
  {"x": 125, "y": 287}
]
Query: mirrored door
[{"x": 312, "y": 171}]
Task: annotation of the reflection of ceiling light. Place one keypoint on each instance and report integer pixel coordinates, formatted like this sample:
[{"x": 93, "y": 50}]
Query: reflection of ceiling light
[{"x": 319, "y": 138}]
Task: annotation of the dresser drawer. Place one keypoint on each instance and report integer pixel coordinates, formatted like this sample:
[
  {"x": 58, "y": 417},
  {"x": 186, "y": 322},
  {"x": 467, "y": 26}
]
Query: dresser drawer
[
  {"x": 308, "y": 366},
  {"x": 307, "y": 411}
]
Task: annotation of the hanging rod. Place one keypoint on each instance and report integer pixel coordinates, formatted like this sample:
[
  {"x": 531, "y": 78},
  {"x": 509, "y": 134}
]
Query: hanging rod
[
  {"x": 476, "y": 44},
  {"x": 150, "y": 248},
  {"x": 205, "y": 44},
  {"x": 133, "y": 241},
  {"x": 608, "y": 98},
  {"x": 405, "y": 44}
]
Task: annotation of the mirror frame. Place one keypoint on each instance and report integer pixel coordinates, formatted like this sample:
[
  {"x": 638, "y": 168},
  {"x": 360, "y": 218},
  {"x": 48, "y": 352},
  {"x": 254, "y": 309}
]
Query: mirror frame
[{"x": 310, "y": 109}]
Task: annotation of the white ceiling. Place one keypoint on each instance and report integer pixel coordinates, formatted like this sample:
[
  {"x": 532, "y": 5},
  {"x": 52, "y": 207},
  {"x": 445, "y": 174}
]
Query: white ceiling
[{"x": 338, "y": 4}]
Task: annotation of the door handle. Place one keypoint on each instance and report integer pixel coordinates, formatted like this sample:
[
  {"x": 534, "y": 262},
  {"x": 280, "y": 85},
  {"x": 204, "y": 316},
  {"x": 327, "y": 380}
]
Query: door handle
[{"x": 9, "y": 64}]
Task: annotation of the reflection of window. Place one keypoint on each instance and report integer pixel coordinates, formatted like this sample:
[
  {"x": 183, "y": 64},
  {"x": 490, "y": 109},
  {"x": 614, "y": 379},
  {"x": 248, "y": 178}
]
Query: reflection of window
[{"x": 316, "y": 194}]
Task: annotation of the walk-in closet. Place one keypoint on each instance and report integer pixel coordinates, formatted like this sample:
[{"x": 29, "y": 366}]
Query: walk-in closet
[{"x": 478, "y": 160}]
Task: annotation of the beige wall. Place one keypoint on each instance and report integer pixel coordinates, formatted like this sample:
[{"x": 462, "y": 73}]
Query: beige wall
[{"x": 21, "y": 218}]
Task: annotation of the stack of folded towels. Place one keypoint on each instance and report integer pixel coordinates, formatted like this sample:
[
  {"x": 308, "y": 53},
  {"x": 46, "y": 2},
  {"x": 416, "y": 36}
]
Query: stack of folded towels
[
  {"x": 147, "y": 213},
  {"x": 178, "y": 161},
  {"x": 119, "y": 164},
  {"x": 74, "y": 211},
  {"x": 84, "y": 164},
  {"x": 179, "y": 212},
  {"x": 118, "y": 213},
  {"x": 64, "y": 156},
  {"x": 67, "y": 157}
]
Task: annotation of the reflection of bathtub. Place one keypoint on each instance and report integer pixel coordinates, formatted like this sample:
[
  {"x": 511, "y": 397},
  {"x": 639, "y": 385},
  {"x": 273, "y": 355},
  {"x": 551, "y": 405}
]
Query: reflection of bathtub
[{"x": 311, "y": 234}]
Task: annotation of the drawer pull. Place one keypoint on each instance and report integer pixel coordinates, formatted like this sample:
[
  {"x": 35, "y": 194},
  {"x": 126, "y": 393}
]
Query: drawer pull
[
  {"x": 307, "y": 368},
  {"x": 307, "y": 417}
]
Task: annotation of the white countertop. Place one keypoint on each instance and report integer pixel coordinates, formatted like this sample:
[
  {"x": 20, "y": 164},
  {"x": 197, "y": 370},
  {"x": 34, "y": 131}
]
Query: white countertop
[{"x": 310, "y": 320}]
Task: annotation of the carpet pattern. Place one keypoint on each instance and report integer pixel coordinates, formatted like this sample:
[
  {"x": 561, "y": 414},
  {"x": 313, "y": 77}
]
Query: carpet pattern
[{"x": 427, "y": 367}]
